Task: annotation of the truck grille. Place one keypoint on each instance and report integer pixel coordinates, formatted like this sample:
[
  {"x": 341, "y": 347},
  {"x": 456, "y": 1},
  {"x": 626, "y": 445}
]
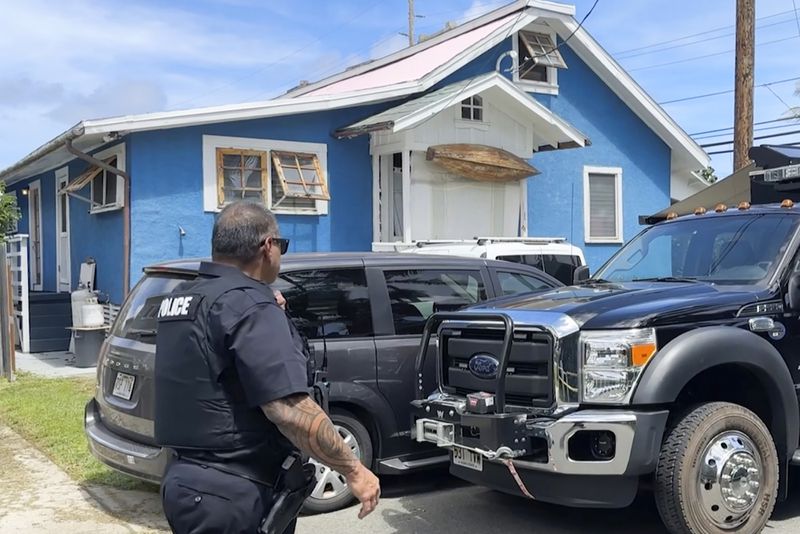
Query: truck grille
[{"x": 529, "y": 377}]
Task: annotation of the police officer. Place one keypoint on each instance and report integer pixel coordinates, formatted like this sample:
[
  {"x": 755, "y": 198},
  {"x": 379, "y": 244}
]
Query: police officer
[{"x": 231, "y": 387}]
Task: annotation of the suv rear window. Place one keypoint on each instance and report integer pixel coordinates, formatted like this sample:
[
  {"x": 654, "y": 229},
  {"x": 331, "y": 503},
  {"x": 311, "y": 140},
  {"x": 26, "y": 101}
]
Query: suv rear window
[
  {"x": 137, "y": 318},
  {"x": 560, "y": 266}
]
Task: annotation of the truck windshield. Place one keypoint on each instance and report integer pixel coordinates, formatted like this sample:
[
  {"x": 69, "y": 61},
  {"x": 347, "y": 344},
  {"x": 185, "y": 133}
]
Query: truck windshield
[{"x": 741, "y": 250}]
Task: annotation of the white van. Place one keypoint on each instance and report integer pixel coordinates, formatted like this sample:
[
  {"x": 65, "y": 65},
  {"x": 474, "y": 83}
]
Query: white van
[{"x": 553, "y": 255}]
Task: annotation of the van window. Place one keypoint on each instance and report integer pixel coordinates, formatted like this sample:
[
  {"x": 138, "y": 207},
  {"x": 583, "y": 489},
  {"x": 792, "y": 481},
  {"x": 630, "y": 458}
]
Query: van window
[
  {"x": 137, "y": 318},
  {"x": 328, "y": 303},
  {"x": 416, "y": 294},
  {"x": 560, "y": 266}
]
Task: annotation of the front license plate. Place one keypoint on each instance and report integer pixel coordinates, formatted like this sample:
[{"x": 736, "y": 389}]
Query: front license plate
[
  {"x": 467, "y": 458},
  {"x": 123, "y": 386}
]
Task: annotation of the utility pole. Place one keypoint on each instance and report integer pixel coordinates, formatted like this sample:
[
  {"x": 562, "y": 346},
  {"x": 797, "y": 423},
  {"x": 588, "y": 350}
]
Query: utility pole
[
  {"x": 743, "y": 90},
  {"x": 411, "y": 18}
]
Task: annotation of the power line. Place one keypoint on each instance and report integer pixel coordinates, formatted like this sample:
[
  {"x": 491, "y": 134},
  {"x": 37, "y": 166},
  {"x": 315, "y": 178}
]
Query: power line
[
  {"x": 762, "y": 129},
  {"x": 796, "y": 16},
  {"x": 731, "y": 127},
  {"x": 698, "y": 41},
  {"x": 703, "y": 33},
  {"x": 769, "y": 136},
  {"x": 685, "y": 60},
  {"x": 728, "y": 91},
  {"x": 779, "y": 98}
]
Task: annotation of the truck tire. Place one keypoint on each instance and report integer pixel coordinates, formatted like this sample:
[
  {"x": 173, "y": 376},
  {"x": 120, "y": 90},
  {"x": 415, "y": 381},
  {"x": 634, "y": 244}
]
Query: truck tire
[
  {"x": 332, "y": 492},
  {"x": 717, "y": 472}
]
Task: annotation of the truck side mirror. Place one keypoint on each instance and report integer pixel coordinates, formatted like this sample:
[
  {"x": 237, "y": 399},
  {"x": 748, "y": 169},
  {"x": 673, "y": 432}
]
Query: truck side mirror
[
  {"x": 793, "y": 292},
  {"x": 580, "y": 274}
]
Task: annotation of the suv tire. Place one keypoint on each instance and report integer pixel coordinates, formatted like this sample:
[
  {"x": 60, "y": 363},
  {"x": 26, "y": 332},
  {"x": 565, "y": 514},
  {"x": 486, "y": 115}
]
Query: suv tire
[
  {"x": 334, "y": 494},
  {"x": 717, "y": 472}
]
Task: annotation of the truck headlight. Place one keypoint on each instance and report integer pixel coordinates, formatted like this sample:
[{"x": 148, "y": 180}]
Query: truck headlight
[{"x": 613, "y": 360}]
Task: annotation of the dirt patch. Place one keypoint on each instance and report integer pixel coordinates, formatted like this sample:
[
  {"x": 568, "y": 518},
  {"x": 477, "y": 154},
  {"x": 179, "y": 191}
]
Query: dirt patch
[{"x": 37, "y": 497}]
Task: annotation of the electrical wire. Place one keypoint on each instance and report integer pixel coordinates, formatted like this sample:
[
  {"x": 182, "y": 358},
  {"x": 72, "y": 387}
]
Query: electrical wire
[
  {"x": 779, "y": 98},
  {"x": 754, "y": 124},
  {"x": 728, "y": 91},
  {"x": 770, "y": 136},
  {"x": 725, "y": 52},
  {"x": 703, "y": 33},
  {"x": 765, "y": 128}
]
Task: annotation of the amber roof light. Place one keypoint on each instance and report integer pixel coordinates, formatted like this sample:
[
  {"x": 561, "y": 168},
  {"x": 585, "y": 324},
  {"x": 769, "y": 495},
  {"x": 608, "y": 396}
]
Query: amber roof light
[
  {"x": 721, "y": 208},
  {"x": 744, "y": 205},
  {"x": 787, "y": 203},
  {"x": 700, "y": 211}
]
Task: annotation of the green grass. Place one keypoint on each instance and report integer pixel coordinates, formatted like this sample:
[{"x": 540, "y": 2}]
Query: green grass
[{"x": 48, "y": 412}]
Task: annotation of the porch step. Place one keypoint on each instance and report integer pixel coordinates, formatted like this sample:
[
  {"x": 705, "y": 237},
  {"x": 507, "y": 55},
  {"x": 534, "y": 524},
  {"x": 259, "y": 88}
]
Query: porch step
[{"x": 49, "y": 345}]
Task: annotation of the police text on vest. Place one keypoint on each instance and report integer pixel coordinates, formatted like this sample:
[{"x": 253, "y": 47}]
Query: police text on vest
[{"x": 175, "y": 307}]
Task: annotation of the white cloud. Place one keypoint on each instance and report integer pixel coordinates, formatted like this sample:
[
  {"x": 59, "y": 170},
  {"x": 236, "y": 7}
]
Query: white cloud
[{"x": 481, "y": 7}]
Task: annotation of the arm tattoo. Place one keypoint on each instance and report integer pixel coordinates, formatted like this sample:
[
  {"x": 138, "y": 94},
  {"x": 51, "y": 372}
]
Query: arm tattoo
[{"x": 308, "y": 427}]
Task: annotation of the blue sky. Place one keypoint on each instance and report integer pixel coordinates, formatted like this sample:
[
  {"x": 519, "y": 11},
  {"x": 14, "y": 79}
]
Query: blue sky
[{"x": 77, "y": 59}]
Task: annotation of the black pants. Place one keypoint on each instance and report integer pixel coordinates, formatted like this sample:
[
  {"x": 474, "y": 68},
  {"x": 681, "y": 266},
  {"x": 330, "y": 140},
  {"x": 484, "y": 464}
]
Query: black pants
[{"x": 200, "y": 500}]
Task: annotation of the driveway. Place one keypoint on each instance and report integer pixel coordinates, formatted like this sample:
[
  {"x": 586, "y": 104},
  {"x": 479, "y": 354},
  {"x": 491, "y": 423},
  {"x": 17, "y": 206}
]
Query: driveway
[
  {"x": 38, "y": 497},
  {"x": 437, "y": 503}
]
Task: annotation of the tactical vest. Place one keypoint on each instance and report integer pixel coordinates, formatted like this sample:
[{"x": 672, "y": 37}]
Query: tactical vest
[{"x": 200, "y": 407}]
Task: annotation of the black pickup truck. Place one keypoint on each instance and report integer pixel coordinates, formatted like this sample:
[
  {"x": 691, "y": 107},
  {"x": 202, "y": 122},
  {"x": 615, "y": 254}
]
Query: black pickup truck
[{"x": 676, "y": 365}]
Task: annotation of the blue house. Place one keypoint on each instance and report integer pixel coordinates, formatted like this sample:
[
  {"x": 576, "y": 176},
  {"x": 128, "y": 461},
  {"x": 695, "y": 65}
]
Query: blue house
[{"x": 344, "y": 162}]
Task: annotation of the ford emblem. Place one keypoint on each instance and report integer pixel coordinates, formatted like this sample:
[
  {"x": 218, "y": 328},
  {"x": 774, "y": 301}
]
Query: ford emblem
[{"x": 484, "y": 366}]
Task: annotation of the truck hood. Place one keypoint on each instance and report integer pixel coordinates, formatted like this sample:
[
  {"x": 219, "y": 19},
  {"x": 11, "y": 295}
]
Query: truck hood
[{"x": 636, "y": 304}]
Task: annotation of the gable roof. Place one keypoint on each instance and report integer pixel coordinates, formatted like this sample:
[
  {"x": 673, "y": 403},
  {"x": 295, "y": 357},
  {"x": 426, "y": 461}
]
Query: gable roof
[
  {"x": 550, "y": 128},
  {"x": 398, "y": 75}
]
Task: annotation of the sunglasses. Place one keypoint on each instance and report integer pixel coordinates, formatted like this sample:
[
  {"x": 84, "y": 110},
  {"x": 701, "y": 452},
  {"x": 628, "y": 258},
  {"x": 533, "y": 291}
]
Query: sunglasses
[{"x": 281, "y": 242}]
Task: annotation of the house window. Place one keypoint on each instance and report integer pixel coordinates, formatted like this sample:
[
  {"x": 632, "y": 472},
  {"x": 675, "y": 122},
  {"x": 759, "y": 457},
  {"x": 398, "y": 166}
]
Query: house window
[
  {"x": 472, "y": 108},
  {"x": 104, "y": 186},
  {"x": 288, "y": 177},
  {"x": 241, "y": 174},
  {"x": 538, "y": 57},
  {"x": 602, "y": 204},
  {"x": 298, "y": 179}
]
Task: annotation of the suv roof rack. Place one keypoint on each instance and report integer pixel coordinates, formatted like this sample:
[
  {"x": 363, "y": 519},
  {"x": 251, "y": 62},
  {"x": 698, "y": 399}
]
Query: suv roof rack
[{"x": 487, "y": 240}]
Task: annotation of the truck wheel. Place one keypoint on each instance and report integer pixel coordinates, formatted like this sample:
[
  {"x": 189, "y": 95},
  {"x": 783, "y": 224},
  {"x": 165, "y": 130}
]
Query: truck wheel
[
  {"x": 332, "y": 492},
  {"x": 717, "y": 472}
]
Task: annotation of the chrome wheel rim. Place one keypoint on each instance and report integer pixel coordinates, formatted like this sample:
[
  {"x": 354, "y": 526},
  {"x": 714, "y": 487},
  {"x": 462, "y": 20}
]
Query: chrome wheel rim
[
  {"x": 729, "y": 480},
  {"x": 331, "y": 484}
]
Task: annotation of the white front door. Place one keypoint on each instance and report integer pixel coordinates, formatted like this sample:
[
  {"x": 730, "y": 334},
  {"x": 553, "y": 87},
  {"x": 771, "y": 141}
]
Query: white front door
[
  {"x": 35, "y": 229},
  {"x": 62, "y": 233}
]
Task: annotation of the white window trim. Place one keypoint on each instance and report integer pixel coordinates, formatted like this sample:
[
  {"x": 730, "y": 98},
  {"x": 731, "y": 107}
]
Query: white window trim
[
  {"x": 617, "y": 172},
  {"x": 546, "y": 88},
  {"x": 62, "y": 174},
  {"x": 212, "y": 142},
  {"x": 118, "y": 151}
]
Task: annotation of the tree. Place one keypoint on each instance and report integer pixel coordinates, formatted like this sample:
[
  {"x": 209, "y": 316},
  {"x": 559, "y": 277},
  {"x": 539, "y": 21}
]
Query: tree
[
  {"x": 708, "y": 175},
  {"x": 9, "y": 212}
]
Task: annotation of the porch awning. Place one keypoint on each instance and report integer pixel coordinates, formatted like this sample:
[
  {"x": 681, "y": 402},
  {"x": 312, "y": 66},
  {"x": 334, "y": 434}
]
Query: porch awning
[
  {"x": 729, "y": 191},
  {"x": 550, "y": 131}
]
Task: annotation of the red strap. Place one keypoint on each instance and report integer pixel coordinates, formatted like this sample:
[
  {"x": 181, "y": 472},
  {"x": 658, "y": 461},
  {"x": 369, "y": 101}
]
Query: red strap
[{"x": 517, "y": 479}]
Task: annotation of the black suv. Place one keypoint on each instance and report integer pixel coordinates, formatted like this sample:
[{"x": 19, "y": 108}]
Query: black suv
[{"x": 363, "y": 314}]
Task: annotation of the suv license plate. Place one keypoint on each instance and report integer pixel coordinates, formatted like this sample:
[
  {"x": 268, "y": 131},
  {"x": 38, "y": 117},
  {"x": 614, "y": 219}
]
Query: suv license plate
[
  {"x": 467, "y": 458},
  {"x": 123, "y": 386}
]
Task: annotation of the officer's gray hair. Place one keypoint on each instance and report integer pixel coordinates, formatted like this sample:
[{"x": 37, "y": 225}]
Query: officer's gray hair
[{"x": 239, "y": 231}]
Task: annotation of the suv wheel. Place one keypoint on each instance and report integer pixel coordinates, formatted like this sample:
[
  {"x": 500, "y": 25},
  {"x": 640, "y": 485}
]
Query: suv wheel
[
  {"x": 332, "y": 492},
  {"x": 717, "y": 472}
]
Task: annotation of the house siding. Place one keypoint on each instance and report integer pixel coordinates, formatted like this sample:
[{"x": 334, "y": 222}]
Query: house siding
[
  {"x": 97, "y": 236},
  {"x": 167, "y": 187}
]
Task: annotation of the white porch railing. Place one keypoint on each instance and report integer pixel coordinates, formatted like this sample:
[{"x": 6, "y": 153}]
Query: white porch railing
[{"x": 17, "y": 253}]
